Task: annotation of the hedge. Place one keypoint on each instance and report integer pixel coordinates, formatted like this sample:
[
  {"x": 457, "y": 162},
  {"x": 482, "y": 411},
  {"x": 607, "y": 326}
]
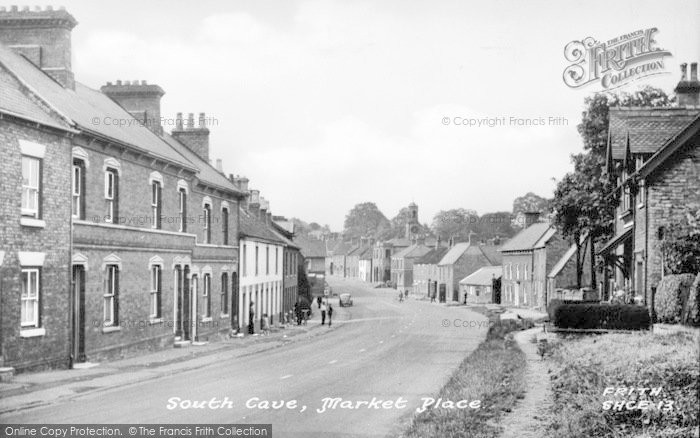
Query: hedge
[
  {"x": 555, "y": 302},
  {"x": 601, "y": 316},
  {"x": 693, "y": 306},
  {"x": 671, "y": 298}
]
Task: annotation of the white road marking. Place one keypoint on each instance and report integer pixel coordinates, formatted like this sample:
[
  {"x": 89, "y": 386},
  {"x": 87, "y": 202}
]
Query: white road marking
[
  {"x": 286, "y": 377},
  {"x": 363, "y": 350},
  {"x": 381, "y": 342},
  {"x": 333, "y": 361}
]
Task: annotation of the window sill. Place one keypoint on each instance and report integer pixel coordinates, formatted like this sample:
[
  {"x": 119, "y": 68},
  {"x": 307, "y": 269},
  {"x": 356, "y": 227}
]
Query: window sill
[
  {"x": 206, "y": 319},
  {"x": 32, "y": 332},
  {"x": 640, "y": 206},
  {"x": 153, "y": 321},
  {"x": 111, "y": 329},
  {"x": 224, "y": 315},
  {"x": 32, "y": 222}
]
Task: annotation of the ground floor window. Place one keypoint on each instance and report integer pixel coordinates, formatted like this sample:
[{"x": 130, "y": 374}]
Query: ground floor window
[
  {"x": 111, "y": 296},
  {"x": 30, "y": 298},
  {"x": 206, "y": 294},
  {"x": 155, "y": 291}
]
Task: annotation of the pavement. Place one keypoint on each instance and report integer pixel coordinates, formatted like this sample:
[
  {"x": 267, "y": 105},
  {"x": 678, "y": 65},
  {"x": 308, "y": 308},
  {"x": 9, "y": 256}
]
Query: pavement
[{"x": 377, "y": 350}]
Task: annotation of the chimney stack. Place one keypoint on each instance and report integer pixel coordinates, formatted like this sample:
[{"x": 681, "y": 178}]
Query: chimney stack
[
  {"x": 688, "y": 89},
  {"x": 254, "y": 203},
  {"x": 196, "y": 138},
  {"x": 437, "y": 242},
  {"x": 43, "y": 36},
  {"x": 219, "y": 165},
  {"x": 531, "y": 217},
  {"x": 140, "y": 99}
]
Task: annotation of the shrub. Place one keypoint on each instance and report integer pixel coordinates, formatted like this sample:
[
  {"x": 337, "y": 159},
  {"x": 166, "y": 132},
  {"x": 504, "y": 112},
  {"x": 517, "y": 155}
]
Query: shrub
[
  {"x": 601, "y": 316},
  {"x": 693, "y": 306},
  {"x": 671, "y": 296},
  {"x": 555, "y": 302}
]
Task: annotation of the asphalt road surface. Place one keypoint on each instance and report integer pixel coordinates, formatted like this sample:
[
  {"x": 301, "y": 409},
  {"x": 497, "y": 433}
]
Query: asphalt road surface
[{"x": 378, "y": 348}]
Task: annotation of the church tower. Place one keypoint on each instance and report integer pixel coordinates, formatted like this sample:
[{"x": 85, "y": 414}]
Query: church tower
[{"x": 412, "y": 225}]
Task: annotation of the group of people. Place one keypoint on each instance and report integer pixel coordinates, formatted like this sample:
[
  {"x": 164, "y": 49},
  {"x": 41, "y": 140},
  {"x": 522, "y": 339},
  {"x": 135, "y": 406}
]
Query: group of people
[
  {"x": 402, "y": 294},
  {"x": 326, "y": 309}
]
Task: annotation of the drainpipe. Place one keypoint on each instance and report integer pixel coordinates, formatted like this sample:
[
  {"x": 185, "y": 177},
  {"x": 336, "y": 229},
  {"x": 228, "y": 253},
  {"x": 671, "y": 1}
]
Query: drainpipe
[{"x": 73, "y": 311}]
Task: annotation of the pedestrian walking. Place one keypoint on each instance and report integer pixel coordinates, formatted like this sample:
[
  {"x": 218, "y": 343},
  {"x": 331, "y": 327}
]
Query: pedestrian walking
[
  {"x": 323, "y": 313},
  {"x": 251, "y": 315},
  {"x": 318, "y": 301},
  {"x": 265, "y": 325},
  {"x": 306, "y": 315},
  {"x": 330, "y": 314},
  {"x": 406, "y": 293},
  {"x": 400, "y": 297}
]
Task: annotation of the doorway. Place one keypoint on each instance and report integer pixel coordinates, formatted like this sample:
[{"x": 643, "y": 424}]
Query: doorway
[{"x": 78, "y": 324}]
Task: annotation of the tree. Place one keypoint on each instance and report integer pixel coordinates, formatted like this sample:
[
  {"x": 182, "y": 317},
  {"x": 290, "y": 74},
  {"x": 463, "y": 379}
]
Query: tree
[
  {"x": 584, "y": 200},
  {"x": 398, "y": 225},
  {"x": 681, "y": 244},
  {"x": 492, "y": 225},
  {"x": 528, "y": 203},
  {"x": 458, "y": 223},
  {"x": 365, "y": 220}
]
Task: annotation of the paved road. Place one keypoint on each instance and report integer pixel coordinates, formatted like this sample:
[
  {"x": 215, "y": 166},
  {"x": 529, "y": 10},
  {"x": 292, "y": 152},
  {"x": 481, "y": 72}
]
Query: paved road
[{"x": 382, "y": 348}]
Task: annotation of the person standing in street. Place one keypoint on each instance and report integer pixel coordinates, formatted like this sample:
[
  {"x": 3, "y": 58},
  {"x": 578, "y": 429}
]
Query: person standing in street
[
  {"x": 251, "y": 315},
  {"x": 265, "y": 325},
  {"x": 323, "y": 313},
  {"x": 330, "y": 314},
  {"x": 318, "y": 301}
]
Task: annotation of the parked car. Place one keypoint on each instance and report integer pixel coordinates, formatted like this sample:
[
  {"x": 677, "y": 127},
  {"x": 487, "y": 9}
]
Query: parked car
[{"x": 345, "y": 300}]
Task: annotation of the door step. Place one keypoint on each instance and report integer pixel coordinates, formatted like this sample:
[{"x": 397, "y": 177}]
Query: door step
[
  {"x": 6, "y": 374},
  {"x": 182, "y": 344},
  {"x": 84, "y": 365}
]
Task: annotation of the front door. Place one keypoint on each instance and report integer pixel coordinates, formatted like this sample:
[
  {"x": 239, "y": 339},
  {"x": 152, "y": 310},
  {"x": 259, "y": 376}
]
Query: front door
[
  {"x": 443, "y": 292},
  {"x": 183, "y": 326},
  {"x": 78, "y": 326}
]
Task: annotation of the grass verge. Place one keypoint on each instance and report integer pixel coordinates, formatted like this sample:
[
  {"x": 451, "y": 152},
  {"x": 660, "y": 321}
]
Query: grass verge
[
  {"x": 493, "y": 373},
  {"x": 586, "y": 365}
]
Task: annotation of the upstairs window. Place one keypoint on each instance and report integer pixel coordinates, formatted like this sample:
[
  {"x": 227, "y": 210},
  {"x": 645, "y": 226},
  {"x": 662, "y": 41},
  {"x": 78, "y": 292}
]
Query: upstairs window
[
  {"x": 182, "y": 204},
  {"x": 267, "y": 260},
  {"x": 31, "y": 184},
  {"x": 111, "y": 195},
  {"x": 244, "y": 261},
  {"x": 156, "y": 204},
  {"x": 78, "y": 184},
  {"x": 207, "y": 223},
  {"x": 224, "y": 225}
]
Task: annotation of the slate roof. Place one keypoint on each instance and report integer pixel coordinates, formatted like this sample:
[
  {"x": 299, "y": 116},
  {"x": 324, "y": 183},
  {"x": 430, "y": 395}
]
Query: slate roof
[
  {"x": 207, "y": 173},
  {"x": 454, "y": 253},
  {"x": 529, "y": 238},
  {"x": 649, "y": 128},
  {"x": 310, "y": 247},
  {"x": 413, "y": 251},
  {"x": 432, "y": 257},
  {"x": 483, "y": 276},
  {"x": 399, "y": 241},
  {"x": 83, "y": 106},
  {"x": 342, "y": 248},
  {"x": 493, "y": 253},
  {"x": 254, "y": 228}
]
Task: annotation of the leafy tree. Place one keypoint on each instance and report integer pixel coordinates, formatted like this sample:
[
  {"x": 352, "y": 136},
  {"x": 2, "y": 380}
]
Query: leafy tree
[
  {"x": 458, "y": 223},
  {"x": 584, "y": 200},
  {"x": 528, "y": 202},
  {"x": 364, "y": 220},
  {"x": 681, "y": 244},
  {"x": 497, "y": 224}
]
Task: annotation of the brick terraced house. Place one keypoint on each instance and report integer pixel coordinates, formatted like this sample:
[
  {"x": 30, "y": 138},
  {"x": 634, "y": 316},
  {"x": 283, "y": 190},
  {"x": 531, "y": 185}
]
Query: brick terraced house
[
  {"x": 117, "y": 238},
  {"x": 653, "y": 157}
]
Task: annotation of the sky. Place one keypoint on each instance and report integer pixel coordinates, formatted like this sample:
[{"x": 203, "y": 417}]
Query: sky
[{"x": 326, "y": 104}]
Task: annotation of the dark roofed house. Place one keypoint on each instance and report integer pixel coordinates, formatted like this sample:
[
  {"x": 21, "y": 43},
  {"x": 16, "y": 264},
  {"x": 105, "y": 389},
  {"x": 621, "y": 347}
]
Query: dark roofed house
[
  {"x": 653, "y": 160},
  {"x": 425, "y": 271},
  {"x": 402, "y": 265},
  {"x": 527, "y": 259},
  {"x": 460, "y": 260},
  {"x": 314, "y": 252}
]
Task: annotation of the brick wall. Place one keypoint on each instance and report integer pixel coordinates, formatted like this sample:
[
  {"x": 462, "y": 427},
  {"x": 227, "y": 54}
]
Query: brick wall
[
  {"x": 671, "y": 191},
  {"x": 51, "y": 349}
]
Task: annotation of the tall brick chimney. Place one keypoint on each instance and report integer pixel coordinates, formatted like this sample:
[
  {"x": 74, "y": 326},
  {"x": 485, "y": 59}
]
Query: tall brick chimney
[
  {"x": 241, "y": 182},
  {"x": 43, "y": 36},
  {"x": 531, "y": 217},
  {"x": 688, "y": 89},
  {"x": 264, "y": 208},
  {"x": 195, "y": 138},
  {"x": 254, "y": 203},
  {"x": 140, "y": 99}
]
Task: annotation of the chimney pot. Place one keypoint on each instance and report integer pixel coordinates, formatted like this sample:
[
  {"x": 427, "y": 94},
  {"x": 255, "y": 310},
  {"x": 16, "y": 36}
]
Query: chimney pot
[
  {"x": 143, "y": 82},
  {"x": 119, "y": 82},
  {"x": 684, "y": 71},
  {"x": 190, "y": 121},
  {"x": 694, "y": 71},
  {"x": 202, "y": 121},
  {"x": 13, "y": 8},
  {"x": 688, "y": 88},
  {"x": 219, "y": 165},
  {"x": 25, "y": 8}
]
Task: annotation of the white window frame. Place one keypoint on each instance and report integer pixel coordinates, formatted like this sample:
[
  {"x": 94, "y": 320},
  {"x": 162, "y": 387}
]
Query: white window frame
[
  {"x": 155, "y": 304},
  {"x": 206, "y": 294},
  {"x": 182, "y": 205},
  {"x": 111, "y": 295},
  {"x": 77, "y": 191},
  {"x": 31, "y": 188},
  {"x": 110, "y": 179},
  {"x": 35, "y": 298},
  {"x": 225, "y": 218},
  {"x": 244, "y": 261},
  {"x": 156, "y": 188},
  {"x": 206, "y": 208}
]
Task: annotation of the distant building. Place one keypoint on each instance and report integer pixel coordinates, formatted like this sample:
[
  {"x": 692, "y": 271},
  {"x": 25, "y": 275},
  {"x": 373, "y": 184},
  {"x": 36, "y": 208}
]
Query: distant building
[
  {"x": 460, "y": 260},
  {"x": 402, "y": 266},
  {"x": 653, "y": 160},
  {"x": 482, "y": 286},
  {"x": 527, "y": 259},
  {"x": 425, "y": 271},
  {"x": 336, "y": 258},
  {"x": 365, "y": 265},
  {"x": 314, "y": 253},
  {"x": 381, "y": 261}
]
